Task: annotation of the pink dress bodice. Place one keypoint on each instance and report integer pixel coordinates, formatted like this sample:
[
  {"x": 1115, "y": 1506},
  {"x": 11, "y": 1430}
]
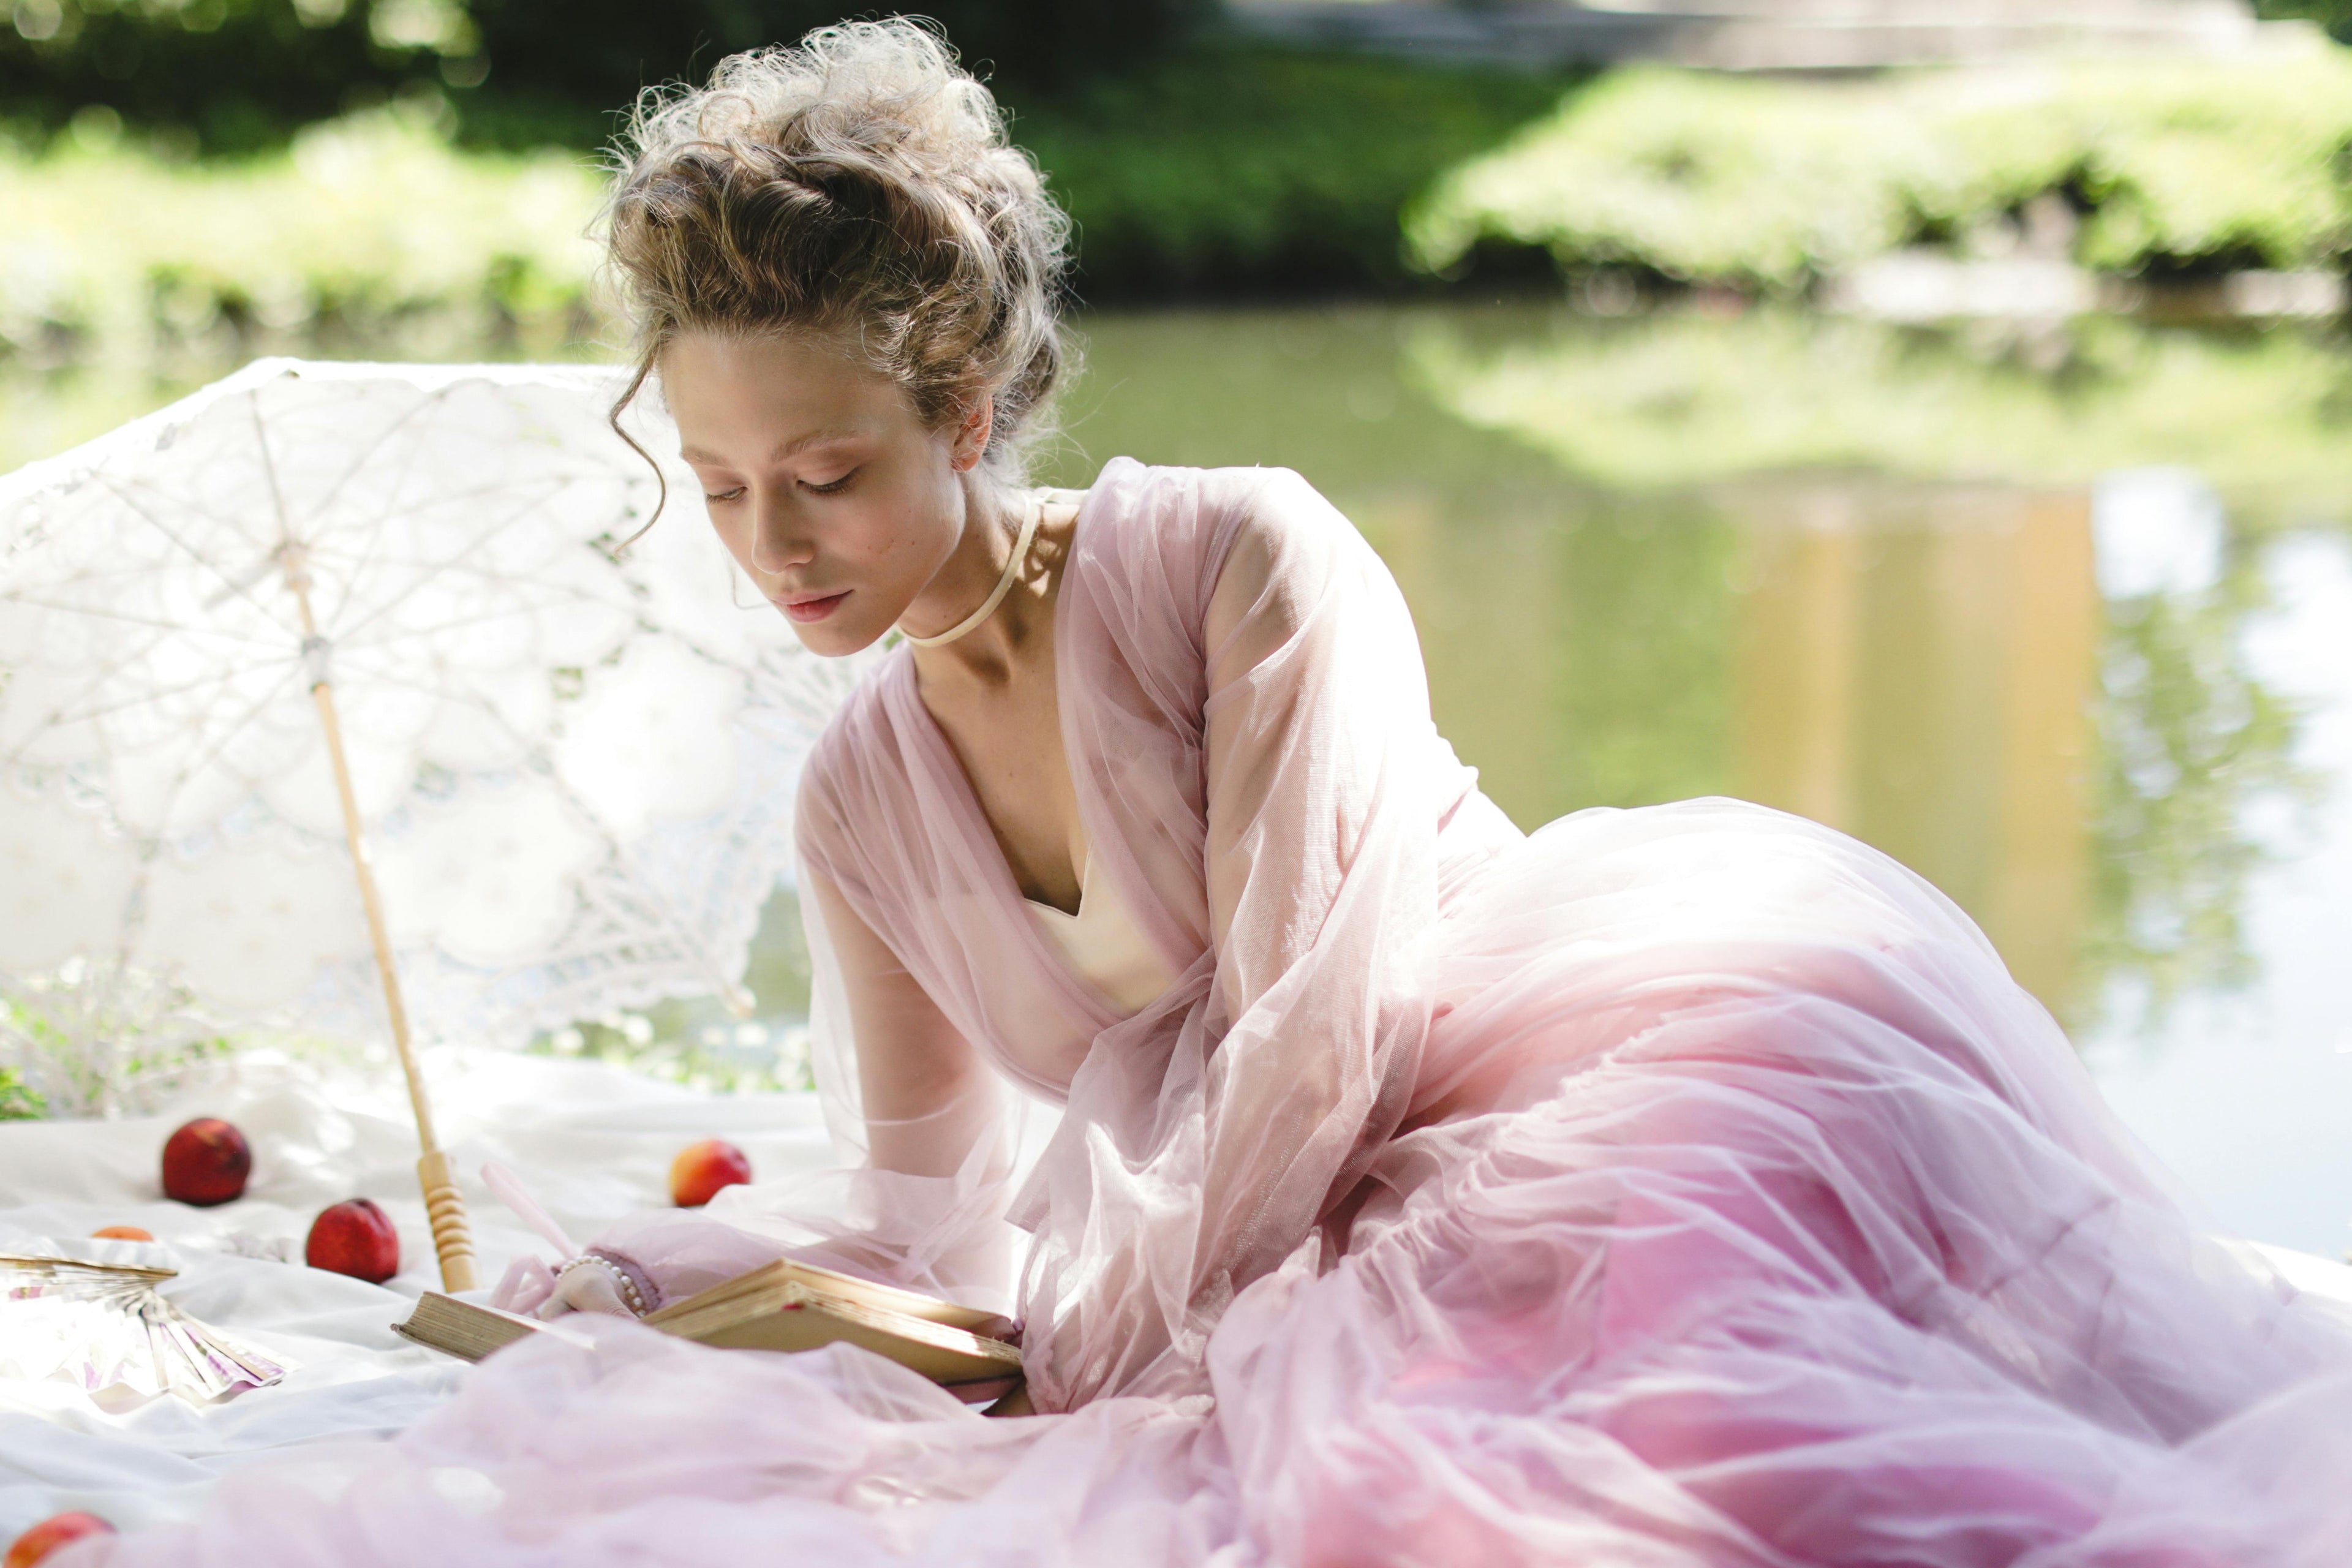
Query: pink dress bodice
[{"x": 889, "y": 816}]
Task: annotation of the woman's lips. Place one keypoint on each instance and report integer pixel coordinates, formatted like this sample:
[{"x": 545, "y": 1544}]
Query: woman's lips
[{"x": 808, "y": 610}]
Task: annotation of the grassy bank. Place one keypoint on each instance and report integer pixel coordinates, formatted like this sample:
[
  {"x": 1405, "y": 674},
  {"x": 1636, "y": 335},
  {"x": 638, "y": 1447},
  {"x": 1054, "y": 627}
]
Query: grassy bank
[
  {"x": 363, "y": 233},
  {"x": 1767, "y": 185}
]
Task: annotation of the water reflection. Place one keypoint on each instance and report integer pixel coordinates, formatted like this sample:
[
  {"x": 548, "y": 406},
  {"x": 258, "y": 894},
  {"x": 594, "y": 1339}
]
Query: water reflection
[
  {"x": 2194, "y": 745},
  {"x": 1684, "y": 398},
  {"x": 1915, "y": 667},
  {"x": 1917, "y": 585},
  {"x": 1920, "y": 586}
]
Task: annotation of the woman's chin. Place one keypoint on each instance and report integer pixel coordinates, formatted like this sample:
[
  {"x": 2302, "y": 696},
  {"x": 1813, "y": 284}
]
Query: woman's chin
[{"x": 834, "y": 638}]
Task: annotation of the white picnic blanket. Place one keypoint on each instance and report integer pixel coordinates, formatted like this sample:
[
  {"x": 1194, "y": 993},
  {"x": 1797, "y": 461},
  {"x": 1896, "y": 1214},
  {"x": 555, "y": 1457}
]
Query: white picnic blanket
[{"x": 591, "y": 1140}]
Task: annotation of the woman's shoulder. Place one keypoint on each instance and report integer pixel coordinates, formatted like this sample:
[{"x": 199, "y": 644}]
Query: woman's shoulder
[
  {"x": 1143, "y": 488},
  {"x": 1154, "y": 511}
]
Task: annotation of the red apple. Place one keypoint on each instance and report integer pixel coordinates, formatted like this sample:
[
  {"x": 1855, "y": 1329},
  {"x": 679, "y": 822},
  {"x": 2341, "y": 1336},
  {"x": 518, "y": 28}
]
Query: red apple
[
  {"x": 121, "y": 1232},
  {"x": 702, "y": 1169},
  {"x": 205, "y": 1163},
  {"x": 58, "y": 1529},
  {"x": 354, "y": 1237}
]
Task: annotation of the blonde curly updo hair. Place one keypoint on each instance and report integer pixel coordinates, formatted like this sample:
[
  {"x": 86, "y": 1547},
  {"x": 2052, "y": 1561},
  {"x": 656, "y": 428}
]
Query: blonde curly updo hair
[{"x": 859, "y": 185}]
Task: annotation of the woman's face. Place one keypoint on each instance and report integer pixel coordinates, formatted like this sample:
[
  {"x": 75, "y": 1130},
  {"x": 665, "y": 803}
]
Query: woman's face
[{"x": 835, "y": 499}]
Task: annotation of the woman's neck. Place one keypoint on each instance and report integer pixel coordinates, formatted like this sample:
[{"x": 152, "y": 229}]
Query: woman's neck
[{"x": 994, "y": 650}]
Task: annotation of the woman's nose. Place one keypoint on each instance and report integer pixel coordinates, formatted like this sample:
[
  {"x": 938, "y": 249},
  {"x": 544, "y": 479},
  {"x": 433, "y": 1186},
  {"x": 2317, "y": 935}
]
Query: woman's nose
[{"x": 778, "y": 539}]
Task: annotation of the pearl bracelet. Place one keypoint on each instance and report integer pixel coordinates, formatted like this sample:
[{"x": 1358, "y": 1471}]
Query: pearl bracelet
[{"x": 638, "y": 1294}]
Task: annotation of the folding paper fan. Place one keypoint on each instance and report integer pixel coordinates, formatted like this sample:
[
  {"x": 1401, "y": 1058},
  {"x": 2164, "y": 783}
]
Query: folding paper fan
[{"x": 103, "y": 1326}]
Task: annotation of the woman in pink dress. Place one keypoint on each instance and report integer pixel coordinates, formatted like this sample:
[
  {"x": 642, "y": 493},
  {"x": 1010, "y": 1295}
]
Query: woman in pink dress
[{"x": 1684, "y": 1186}]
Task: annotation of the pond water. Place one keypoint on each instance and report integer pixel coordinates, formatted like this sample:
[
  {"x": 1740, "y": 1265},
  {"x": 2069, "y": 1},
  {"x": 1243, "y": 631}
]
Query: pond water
[{"x": 2060, "y": 617}]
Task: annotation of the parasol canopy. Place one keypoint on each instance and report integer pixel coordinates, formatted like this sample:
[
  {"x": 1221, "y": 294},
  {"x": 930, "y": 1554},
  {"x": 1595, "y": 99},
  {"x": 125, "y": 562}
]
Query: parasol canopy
[{"x": 568, "y": 774}]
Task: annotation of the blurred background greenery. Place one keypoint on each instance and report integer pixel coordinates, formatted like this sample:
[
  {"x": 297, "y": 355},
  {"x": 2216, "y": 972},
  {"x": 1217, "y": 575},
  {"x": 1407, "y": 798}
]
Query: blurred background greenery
[
  {"x": 171, "y": 166},
  {"x": 1954, "y": 453}
]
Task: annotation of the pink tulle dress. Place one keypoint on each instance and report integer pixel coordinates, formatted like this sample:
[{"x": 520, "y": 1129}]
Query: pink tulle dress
[{"x": 1683, "y": 1187}]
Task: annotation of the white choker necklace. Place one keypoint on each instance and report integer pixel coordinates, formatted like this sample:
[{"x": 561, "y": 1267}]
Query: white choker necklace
[{"x": 996, "y": 595}]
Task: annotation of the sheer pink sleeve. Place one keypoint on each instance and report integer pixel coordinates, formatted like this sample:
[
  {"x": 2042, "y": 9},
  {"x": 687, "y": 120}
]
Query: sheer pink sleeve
[
  {"x": 926, "y": 1132},
  {"x": 1188, "y": 1169}
]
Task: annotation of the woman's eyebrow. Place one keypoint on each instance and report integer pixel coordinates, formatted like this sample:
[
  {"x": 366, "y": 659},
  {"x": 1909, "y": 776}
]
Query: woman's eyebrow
[{"x": 777, "y": 453}]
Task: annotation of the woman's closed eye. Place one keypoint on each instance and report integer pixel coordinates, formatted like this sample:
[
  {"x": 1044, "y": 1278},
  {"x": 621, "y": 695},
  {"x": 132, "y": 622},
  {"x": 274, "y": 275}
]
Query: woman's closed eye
[{"x": 736, "y": 492}]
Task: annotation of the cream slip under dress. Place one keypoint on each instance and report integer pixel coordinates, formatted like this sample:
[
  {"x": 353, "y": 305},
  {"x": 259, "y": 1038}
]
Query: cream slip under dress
[{"x": 1104, "y": 945}]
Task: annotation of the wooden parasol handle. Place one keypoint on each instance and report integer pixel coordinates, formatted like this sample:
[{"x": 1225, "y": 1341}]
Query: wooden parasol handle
[
  {"x": 445, "y": 1209},
  {"x": 445, "y": 1206}
]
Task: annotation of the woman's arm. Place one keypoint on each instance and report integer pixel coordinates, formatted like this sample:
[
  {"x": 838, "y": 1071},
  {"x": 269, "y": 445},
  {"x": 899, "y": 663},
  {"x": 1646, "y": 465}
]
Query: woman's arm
[
  {"x": 927, "y": 1096},
  {"x": 1325, "y": 782},
  {"x": 935, "y": 1141}
]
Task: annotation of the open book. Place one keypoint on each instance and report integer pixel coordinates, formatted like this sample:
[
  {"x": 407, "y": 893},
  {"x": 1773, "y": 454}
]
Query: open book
[{"x": 780, "y": 1306}]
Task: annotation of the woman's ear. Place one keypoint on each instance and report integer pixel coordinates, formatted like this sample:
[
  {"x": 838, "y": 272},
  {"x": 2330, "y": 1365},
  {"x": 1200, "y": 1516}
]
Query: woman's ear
[{"x": 972, "y": 435}]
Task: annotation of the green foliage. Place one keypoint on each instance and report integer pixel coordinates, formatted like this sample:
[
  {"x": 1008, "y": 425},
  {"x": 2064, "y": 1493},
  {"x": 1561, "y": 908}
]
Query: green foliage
[
  {"x": 1769, "y": 185},
  {"x": 2335, "y": 15},
  {"x": 363, "y": 230},
  {"x": 1229, "y": 169},
  {"x": 241, "y": 75},
  {"x": 217, "y": 75},
  {"x": 98, "y": 1040},
  {"x": 18, "y": 1101},
  {"x": 570, "y": 64}
]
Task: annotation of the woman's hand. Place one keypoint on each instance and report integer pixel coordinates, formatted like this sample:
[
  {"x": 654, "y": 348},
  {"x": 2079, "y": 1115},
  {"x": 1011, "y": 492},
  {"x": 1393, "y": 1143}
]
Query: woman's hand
[
  {"x": 1013, "y": 1404},
  {"x": 587, "y": 1285}
]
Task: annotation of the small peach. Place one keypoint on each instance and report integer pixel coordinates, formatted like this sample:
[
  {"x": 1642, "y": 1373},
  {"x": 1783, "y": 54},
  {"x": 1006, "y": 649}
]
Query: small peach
[
  {"x": 354, "y": 1237},
  {"x": 121, "y": 1232},
  {"x": 206, "y": 1163},
  {"x": 58, "y": 1529},
  {"x": 702, "y": 1169}
]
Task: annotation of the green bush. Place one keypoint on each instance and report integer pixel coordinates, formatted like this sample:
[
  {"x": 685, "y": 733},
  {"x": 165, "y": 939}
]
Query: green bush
[
  {"x": 2335, "y": 15},
  {"x": 1770, "y": 184},
  {"x": 1232, "y": 170},
  {"x": 361, "y": 229},
  {"x": 217, "y": 75}
]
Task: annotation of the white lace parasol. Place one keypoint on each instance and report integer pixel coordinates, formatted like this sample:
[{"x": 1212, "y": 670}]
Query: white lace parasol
[{"x": 574, "y": 774}]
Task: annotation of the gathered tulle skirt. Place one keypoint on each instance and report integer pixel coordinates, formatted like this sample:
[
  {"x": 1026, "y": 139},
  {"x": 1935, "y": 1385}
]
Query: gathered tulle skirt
[{"x": 1748, "y": 1214}]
